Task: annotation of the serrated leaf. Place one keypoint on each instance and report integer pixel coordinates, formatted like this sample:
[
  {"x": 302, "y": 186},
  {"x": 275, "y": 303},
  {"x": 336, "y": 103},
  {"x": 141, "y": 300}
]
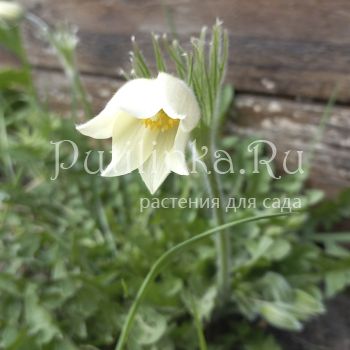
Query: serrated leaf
[
  {"x": 38, "y": 319},
  {"x": 314, "y": 196},
  {"x": 279, "y": 249},
  {"x": 9, "y": 336},
  {"x": 306, "y": 305},
  {"x": 336, "y": 250},
  {"x": 9, "y": 285},
  {"x": 204, "y": 304},
  {"x": 149, "y": 326},
  {"x": 275, "y": 286},
  {"x": 279, "y": 315},
  {"x": 336, "y": 281},
  {"x": 259, "y": 248}
]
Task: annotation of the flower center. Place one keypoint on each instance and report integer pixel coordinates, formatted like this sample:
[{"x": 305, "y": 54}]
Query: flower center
[{"x": 161, "y": 121}]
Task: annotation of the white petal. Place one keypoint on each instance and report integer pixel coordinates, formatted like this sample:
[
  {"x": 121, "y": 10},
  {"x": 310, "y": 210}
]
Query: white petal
[
  {"x": 132, "y": 144},
  {"x": 101, "y": 127},
  {"x": 176, "y": 160},
  {"x": 140, "y": 98},
  {"x": 178, "y": 100},
  {"x": 155, "y": 170}
]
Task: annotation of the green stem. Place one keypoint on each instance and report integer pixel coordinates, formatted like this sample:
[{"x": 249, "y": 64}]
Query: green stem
[
  {"x": 339, "y": 237},
  {"x": 198, "y": 324},
  {"x": 223, "y": 244},
  {"x": 322, "y": 127},
  {"x": 103, "y": 220},
  {"x": 68, "y": 62},
  {"x": 164, "y": 259},
  {"x": 222, "y": 241},
  {"x": 27, "y": 70},
  {"x": 80, "y": 90},
  {"x": 9, "y": 170}
]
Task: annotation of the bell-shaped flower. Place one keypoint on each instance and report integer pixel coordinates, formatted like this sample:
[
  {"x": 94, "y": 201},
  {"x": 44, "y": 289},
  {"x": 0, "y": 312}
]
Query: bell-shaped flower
[{"x": 150, "y": 121}]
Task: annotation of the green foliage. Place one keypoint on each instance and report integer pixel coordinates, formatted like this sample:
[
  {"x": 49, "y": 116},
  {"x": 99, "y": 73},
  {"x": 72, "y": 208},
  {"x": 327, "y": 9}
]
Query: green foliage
[
  {"x": 203, "y": 67},
  {"x": 74, "y": 251},
  {"x": 10, "y": 38}
]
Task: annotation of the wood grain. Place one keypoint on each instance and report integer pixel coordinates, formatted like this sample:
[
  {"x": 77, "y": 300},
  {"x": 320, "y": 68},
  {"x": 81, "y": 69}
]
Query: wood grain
[
  {"x": 288, "y": 124},
  {"x": 286, "y": 48},
  {"x": 294, "y": 126}
]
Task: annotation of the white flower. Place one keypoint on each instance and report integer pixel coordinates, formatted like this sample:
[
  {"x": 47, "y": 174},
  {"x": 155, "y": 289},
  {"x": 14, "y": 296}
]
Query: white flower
[
  {"x": 150, "y": 121},
  {"x": 10, "y": 11}
]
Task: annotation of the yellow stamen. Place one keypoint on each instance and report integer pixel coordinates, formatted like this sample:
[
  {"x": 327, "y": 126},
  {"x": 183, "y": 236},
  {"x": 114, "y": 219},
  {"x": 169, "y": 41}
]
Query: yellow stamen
[{"x": 160, "y": 121}]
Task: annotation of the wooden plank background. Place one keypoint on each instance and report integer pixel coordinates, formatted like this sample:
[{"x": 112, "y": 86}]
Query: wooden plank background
[{"x": 286, "y": 57}]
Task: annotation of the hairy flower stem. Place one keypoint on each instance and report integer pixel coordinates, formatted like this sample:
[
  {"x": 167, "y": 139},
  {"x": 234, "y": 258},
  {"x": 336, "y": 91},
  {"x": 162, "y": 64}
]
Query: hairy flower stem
[
  {"x": 164, "y": 260},
  {"x": 223, "y": 242},
  {"x": 222, "y": 239}
]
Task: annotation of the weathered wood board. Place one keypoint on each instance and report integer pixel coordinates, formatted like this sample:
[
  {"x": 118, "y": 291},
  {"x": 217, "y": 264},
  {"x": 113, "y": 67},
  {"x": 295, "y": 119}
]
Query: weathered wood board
[
  {"x": 289, "y": 48},
  {"x": 294, "y": 126},
  {"x": 286, "y": 57}
]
